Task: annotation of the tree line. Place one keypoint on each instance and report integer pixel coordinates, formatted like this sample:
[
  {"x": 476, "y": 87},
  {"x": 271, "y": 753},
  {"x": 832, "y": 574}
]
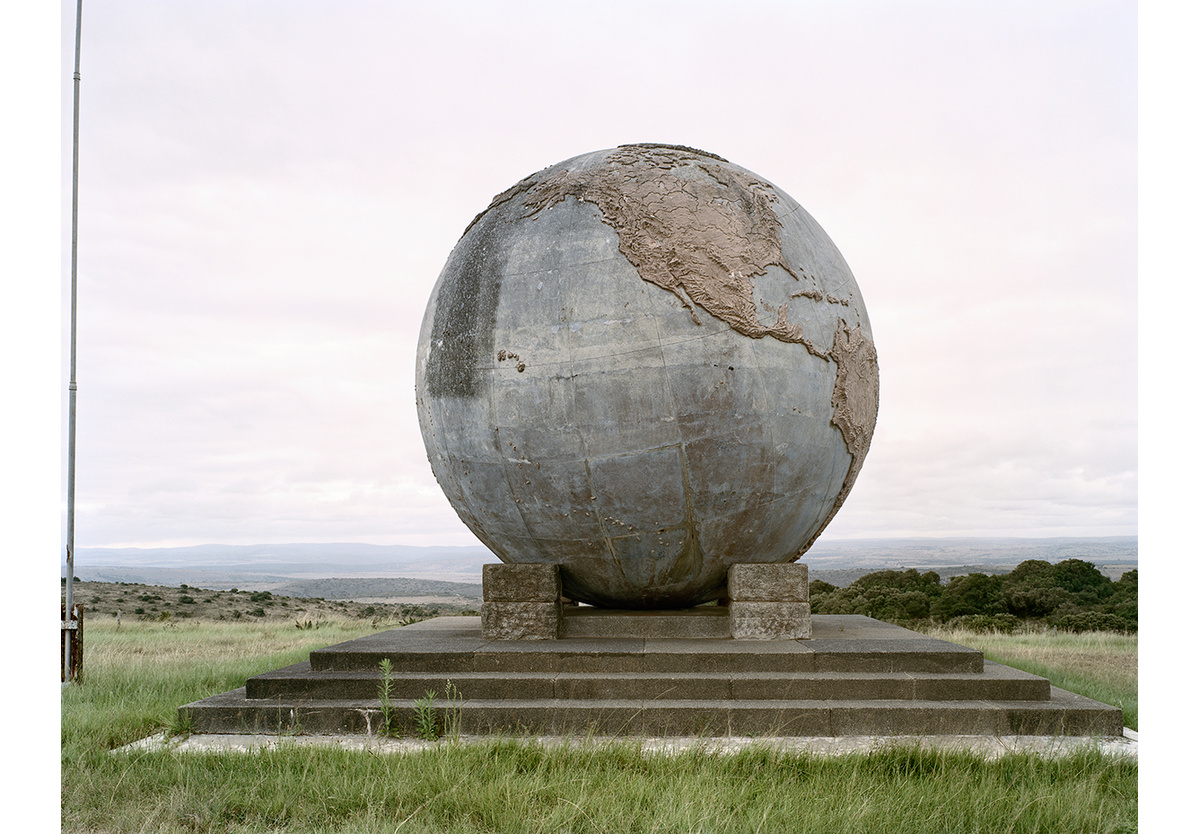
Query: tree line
[{"x": 1071, "y": 595}]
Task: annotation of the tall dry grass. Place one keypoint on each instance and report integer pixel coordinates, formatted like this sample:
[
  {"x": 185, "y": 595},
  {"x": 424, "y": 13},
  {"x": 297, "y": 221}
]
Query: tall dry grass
[{"x": 1100, "y": 665}]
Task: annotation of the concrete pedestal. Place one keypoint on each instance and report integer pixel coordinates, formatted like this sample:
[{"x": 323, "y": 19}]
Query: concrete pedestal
[
  {"x": 521, "y": 602},
  {"x": 769, "y": 602}
]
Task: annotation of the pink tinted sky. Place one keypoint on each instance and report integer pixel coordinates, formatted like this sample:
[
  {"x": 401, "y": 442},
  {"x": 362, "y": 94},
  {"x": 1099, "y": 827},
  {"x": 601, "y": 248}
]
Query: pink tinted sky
[{"x": 269, "y": 191}]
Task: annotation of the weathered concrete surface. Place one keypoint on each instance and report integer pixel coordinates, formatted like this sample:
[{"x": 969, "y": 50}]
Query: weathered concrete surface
[
  {"x": 770, "y": 620},
  {"x": 768, "y": 583},
  {"x": 521, "y": 620},
  {"x": 769, "y": 602},
  {"x": 646, "y": 390},
  {"x": 521, "y": 602},
  {"x": 708, "y": 621},
  {"x": 856, "y": 676},
  {"x": 521, "y": 583}
]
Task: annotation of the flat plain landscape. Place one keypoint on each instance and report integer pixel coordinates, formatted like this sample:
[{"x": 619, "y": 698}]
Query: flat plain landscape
[
  {"x": 135, "y": 601},
  {"x": 273, "y": 567}
]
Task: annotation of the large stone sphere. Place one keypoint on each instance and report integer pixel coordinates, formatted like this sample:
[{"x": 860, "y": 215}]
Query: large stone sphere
[{"x": 646, "y": 364}]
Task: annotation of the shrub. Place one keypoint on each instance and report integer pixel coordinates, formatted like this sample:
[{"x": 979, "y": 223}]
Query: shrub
[
  {"x": 1094, "y": 621},
  {"x": 1028, "y": 600},
  {"x": 983, "y": 623},
  {"x": 975, "y": 593},
  {"x": 1035, "y": 572},
  {"x": 928, "y": 583},
  {"x": 818, "y": 586},
  {"x": 1081, "y": 580}
]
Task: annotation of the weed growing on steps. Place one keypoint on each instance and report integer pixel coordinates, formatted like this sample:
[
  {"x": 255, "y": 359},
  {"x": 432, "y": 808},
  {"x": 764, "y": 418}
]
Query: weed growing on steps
[
  {"x": 424, "y": 714},
  {"x": 452, "y": 717},
  {"x": 385, "y": 695},
  {"x": 426, "y": 719}
]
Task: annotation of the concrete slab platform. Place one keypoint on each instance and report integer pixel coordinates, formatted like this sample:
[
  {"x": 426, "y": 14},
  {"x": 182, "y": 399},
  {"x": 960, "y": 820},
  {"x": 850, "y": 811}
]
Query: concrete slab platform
[
  {"x": 854, "y": 677},
  {"x": 838, "y": 643}
]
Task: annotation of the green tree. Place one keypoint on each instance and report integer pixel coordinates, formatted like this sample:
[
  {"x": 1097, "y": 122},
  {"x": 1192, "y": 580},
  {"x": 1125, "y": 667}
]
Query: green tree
[
  {"x": 1123, "y": 602},
  {"x": 1081, "y": 580},
  {"x": 1032, "y": 572},
  {"x": 975, "y": 593},
  {"x": 928, "y": 583},
  {"x": 1026, "y": 601},
  {"x": 818, "y": 586}
]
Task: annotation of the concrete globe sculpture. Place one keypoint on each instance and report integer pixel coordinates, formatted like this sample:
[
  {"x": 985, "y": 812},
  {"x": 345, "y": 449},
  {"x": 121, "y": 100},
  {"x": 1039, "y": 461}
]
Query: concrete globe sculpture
[{"x": 646, "y": 364}]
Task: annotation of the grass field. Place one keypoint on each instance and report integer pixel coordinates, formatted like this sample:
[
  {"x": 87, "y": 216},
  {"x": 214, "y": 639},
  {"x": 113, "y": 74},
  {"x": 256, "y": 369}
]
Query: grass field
[
  {"x": 1100, "y": 665},
  {"x": 136, "y": 676}
]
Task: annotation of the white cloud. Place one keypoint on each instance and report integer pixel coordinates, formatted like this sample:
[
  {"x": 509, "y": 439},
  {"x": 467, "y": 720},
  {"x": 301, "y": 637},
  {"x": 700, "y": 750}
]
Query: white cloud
[{"x": 267, "y": 199}]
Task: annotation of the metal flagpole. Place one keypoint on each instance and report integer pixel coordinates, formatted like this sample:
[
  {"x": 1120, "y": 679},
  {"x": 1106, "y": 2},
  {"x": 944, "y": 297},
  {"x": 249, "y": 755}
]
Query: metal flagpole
[{"x": 70, "y": 599}]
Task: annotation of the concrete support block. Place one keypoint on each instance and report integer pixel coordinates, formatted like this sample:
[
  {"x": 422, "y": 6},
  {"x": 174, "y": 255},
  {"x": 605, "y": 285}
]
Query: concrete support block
[
  {"x": 521, "y": 583},
  {"x": 768, "y": 583},
  {"x": 769, "y": 602},
  {"x": 521, "y": 620},
  {"x": 522, "y": 602},
  {"x": 770, "y": 620}
]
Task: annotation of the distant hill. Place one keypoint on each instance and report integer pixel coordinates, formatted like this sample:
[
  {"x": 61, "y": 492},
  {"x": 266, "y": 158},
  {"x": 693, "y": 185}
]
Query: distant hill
[
  {"x": 381, "y": 588},
  {"x": 841, "y": 577},
  {"x": 934, "y": 553},
  {"x": 272, "y": 565},
  {"x": 276, "y": 566}
]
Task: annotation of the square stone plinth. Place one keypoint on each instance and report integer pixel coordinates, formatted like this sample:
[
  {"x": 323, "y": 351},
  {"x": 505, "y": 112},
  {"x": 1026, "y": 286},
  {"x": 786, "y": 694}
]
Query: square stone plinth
[
  {"x": 768, "y": 583},
  {"x": 521, "y": 583},
  {"x": 770, "y": 620},
  {"x": 521, "y": 620},
  {"x": 522, "y": 602}
]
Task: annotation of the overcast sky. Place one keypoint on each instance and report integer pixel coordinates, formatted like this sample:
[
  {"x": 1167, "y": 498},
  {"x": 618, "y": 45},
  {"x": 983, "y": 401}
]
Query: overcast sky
[{"x": 269, "y": 190}]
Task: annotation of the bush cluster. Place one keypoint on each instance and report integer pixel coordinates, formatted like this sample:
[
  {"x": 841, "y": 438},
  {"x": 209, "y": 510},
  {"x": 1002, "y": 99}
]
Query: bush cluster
[{"x": 1071, "y": 595}]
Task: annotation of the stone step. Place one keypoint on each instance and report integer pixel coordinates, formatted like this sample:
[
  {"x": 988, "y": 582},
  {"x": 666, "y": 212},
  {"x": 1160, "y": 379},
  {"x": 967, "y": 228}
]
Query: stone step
[
  {"x": 1063, "y": 713},
  {"x": 846, "y": 643},
  {"x": 996, "y": 682},
  {"x": 856, "y": 676}
]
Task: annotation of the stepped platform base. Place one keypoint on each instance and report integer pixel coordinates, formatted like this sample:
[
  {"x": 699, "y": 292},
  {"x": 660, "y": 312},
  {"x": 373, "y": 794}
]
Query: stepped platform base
[{"x": 854, "y": 677}]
